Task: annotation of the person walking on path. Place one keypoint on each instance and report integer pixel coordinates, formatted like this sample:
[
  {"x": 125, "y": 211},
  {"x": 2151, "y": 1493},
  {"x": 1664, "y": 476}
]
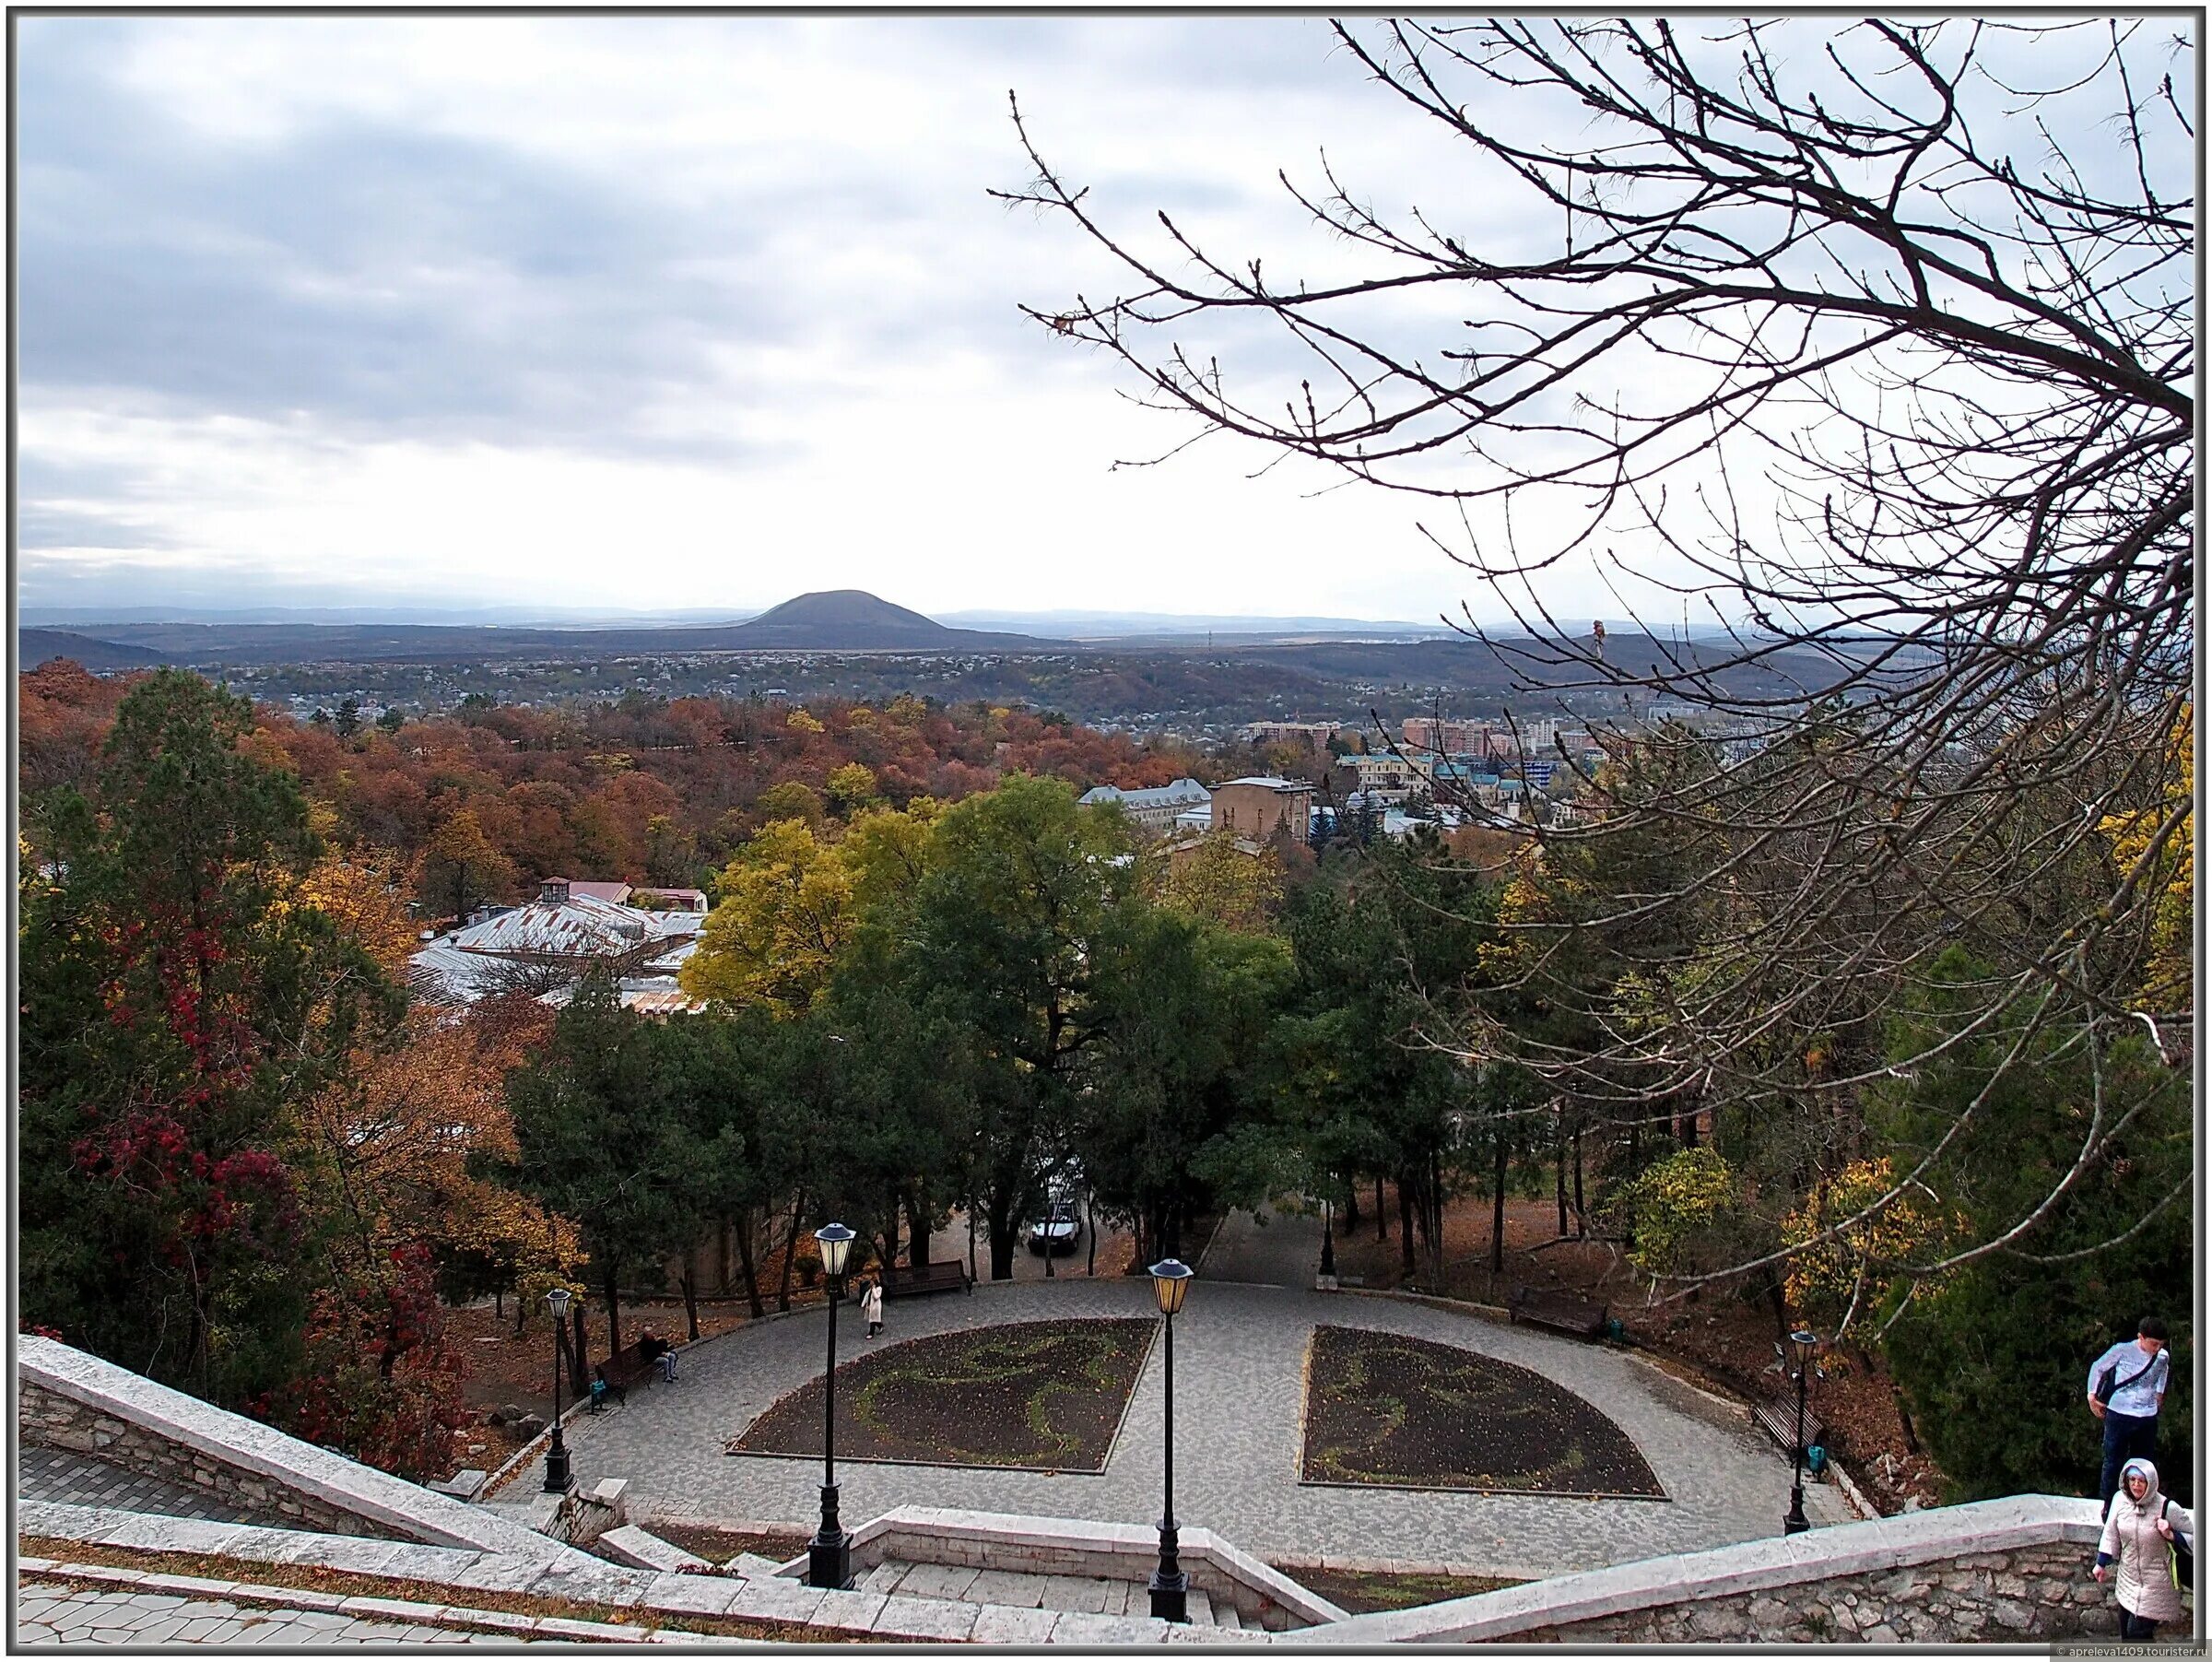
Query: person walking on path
[
  {"x": 2126, "y": 1386},
  {"x": 2141, "y": 1527},
  {"x": 871, "y": 1305}
]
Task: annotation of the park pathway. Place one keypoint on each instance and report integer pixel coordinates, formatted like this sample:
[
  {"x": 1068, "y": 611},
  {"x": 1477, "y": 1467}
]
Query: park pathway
[
  {"x": 1240, "y": 1349},
  {"x": 1280, "y": 1249}
]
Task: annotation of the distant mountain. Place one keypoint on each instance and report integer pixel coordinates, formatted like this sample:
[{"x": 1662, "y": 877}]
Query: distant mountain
[
  {"x": 840, "y": 620},
  {"x": 855, "y": 620},
  {"x": 34, "y": 646}
]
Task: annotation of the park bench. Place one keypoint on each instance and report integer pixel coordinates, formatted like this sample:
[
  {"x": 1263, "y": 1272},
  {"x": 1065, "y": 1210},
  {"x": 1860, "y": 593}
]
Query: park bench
[
  {"x": 626, "y": 1367},
  {"x": 1777, "y": 1416},
  {"x": 1563, "y": 1313},
  {"x": 948, "y": 1274}
]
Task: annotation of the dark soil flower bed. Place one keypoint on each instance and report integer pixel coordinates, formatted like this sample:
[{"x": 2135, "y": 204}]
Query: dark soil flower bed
[
  {"x": 1039, "y": 1396},
  {"x": 1383, "y": 1409}
]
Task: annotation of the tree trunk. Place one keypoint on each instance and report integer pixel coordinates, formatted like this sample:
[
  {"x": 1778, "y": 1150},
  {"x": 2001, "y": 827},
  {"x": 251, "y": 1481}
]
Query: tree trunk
[
  {"x": 1436, "y": 1213},
  {"x": 581, "y": 1369},
  {"x": 1090, "y": 1237},
  {"x": 1382, "y": 1224},
  {"x": 971, "y": 1243},
  {"x": 613, "y": 1309},
  {"x": 1559, "y": 1172},
  {"x": 743, "y": 1231},
  {"x": 1497, "y": 1211},
  {"x": 499, "y": 1303},
  {"x": 1351, "y": 1213},
  {"x": 1003, "y": 1228},
  {"x": 791, "y": 1248},
  {"x": 690, "y": 1285},
  {"x": 1581, "y": 1218},
  {"x": 722, "y": 1253},
  {"x": 917, "y": 1231},
  {"x": 1406, "y": 1265}
]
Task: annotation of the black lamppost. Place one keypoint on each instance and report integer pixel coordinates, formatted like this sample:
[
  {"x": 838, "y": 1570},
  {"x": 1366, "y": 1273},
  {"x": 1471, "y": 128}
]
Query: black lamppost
[
  {"x": 830, "y": 1553},
  {"x": 559, "y": 1479},
  {"x": 1801, "y": 1345},
  {"x": 1171, "y": 1588}
]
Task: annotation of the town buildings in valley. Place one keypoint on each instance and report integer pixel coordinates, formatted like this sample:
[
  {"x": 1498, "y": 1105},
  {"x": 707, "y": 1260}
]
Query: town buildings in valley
[
  {"x": 1157, "y": 809},
  {"x": 1262, "y": 806},
  {"x": 545, "y": 946}
]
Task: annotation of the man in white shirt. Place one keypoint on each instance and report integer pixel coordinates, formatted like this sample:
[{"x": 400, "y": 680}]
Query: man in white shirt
[{"x": 2126, "y": 1386}]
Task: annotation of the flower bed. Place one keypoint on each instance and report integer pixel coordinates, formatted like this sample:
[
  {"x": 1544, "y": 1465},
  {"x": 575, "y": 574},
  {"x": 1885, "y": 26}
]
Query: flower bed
[
  {"x": 1036, "y": 1395},
  {"x": 1383, "y": 1409}
]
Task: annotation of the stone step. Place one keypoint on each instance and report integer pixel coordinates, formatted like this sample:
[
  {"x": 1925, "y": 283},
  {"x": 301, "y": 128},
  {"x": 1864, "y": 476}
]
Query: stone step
[
  {"x": 1201, "y": 1608},
  {"x": 1225, "y": 1615},
  {"x": 632, "y": 1546}
]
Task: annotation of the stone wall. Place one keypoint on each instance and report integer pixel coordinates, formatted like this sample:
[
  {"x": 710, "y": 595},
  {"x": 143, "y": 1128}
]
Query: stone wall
[
  {"x": 2009, "y": 1572},
  {"x": 69, "y": 1398},
  {"x": 47, "y": 1419},
  {"x": 2035, "y": 1593}
]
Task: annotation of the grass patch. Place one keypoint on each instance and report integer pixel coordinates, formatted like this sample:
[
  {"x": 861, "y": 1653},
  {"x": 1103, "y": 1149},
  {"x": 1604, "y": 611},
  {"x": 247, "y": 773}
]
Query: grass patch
[
  {"x": 718, "y": 1546},
  {"x": 1032, "y": 1396},
  {"x": 1363, "y": 1592},
  {"x": 1389, "y": 1410}
]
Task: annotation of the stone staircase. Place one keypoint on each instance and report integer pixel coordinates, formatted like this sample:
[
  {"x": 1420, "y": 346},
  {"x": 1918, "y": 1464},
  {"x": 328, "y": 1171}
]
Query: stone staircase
[{"x": 1024, "y": 1590}]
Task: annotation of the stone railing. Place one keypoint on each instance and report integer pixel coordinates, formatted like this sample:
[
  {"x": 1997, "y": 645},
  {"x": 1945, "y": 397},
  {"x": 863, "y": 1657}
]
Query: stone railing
[
  {"x": 1046, "y": 1546},
  {"x": 2013, "y": 1571},
  {"x": 67, "y": 1398}
]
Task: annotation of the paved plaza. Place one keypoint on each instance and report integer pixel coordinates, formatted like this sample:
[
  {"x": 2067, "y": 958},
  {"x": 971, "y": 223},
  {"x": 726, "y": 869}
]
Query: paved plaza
[{"x": 1240, "y": 1352}]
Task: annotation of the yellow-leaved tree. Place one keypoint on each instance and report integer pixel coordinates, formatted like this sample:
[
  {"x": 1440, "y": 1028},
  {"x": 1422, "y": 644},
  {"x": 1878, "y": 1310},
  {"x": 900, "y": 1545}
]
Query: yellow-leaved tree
[
  {"x": 1859, "y": 1272},
  {"x": 2161, "y": 839},
  {"x": 786, "y": 909},
  {"x": 1222, "y": 883}
]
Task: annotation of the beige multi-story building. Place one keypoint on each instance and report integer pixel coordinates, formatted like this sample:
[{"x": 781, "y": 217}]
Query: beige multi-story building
[
  {"x": 1378, "y": 772},
  {"x": 1262, "y": 806},
  {"x": 1155, "y": 808}
]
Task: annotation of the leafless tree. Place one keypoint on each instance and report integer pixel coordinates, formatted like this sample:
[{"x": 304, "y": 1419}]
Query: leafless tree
[{"x": 1873, "y": 343}]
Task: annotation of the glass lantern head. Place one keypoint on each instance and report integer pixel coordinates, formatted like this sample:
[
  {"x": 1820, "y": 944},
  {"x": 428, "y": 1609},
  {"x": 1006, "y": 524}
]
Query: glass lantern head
[
  {"x": 1170, "y": 1280},
  {"x": 557, "y": 1302},
  {"x": 836, "y": 1241}
]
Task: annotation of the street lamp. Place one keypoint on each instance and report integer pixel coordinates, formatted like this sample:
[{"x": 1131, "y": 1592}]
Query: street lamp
[
  {"x": 1801, "y": 1343},
  {"x": 559, "y": 1479},
  {"x": 1171, "y": 1588},
  {"x": 830, "y": 1553}
]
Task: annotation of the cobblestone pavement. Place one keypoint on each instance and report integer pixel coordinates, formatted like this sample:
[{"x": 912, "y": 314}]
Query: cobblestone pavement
[
  {"x": 61, "y": 1474},
  {"x": 1282, "y": 1250},
  {"x": 1241, "y": 1353},
  {"x": 50, "y": 1614}
]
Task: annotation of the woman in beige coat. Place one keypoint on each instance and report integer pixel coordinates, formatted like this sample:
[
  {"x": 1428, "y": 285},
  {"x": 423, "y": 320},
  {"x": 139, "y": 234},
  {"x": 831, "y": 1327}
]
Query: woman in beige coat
[{"x": 2140, "y": 1532}]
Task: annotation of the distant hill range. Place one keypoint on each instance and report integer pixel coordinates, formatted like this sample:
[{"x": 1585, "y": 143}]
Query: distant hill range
[
  {"x": 833, "y": 620},
  {"x": 37, "y": 645}
]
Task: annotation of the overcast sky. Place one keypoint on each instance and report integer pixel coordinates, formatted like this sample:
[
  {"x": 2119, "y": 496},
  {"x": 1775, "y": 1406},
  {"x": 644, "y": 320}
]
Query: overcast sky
[{"x": 679, "y": 313}]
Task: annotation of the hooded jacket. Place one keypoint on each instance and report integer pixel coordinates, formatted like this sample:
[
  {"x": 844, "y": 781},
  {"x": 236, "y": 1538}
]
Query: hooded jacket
[{"x": 2144, "y": 1585}]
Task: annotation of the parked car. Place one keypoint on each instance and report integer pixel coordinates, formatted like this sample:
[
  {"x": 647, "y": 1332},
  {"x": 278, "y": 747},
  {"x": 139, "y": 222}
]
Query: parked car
[{"x": 1058, "y": 1230}]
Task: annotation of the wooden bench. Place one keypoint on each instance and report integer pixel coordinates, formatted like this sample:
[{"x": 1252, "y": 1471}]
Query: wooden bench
[
  {"x": 1560, "y": 1311},
  {"x": 1777, "y": 1416},
  {"x": 626, "y": 1367},
  {"x": 948, "y": 1274}
]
